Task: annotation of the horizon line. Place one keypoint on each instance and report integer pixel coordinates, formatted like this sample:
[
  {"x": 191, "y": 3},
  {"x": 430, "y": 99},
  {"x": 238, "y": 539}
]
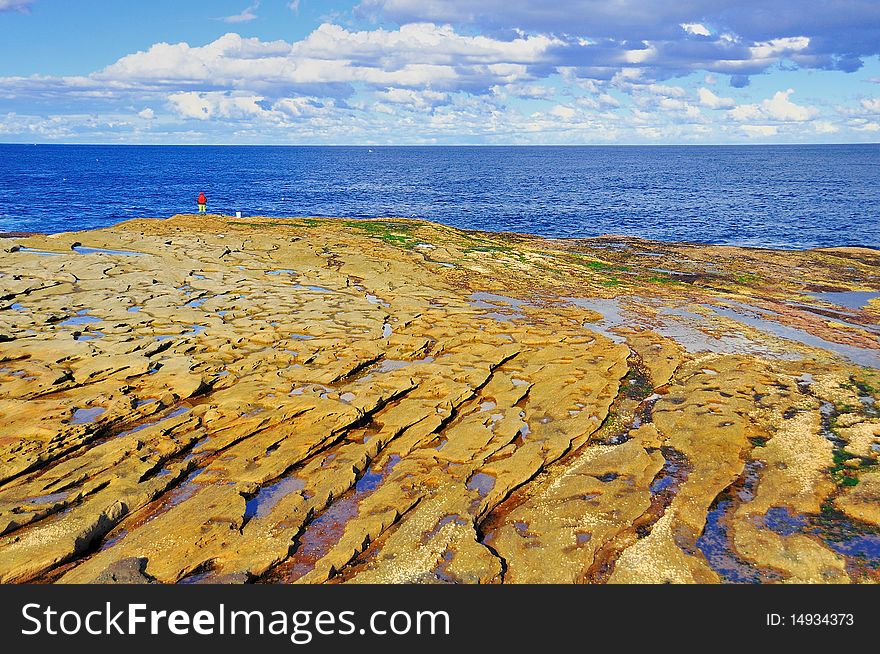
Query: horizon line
[{"x": 439, "y": 145}]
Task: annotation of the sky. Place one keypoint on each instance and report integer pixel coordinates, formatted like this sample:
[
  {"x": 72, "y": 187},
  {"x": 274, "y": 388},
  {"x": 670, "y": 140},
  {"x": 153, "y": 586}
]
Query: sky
[{"x": 491, "y": 72}]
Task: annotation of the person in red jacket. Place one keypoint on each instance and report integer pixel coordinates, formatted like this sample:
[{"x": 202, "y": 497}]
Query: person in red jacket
[{"x": 203, "y": 203}]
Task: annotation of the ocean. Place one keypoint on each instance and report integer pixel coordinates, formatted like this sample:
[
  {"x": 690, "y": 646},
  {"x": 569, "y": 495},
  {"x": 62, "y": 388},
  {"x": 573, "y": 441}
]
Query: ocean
[{"x": 768, "y": 196}]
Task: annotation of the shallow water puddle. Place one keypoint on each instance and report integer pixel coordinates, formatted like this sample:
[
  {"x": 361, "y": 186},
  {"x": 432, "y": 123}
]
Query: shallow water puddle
[
  {"x": 663, "y": 489},
  {"x": 481, "y": 482},
  {"x": 672, "y": 475},
  {"x": 323, "y": 391},
  {"x": 322, "y": 533},
  {"x": 871, "y": 329},
  {"x": 451, "y": 518},
  {"x": 389, "y": 365},
  {"x": 84, "y": 416},
  {"x": 41, "y": 253},
  {"x": 839, "y": 317},
  {"x": 858, "y": 546},
  {"x": 89, "y": 336},
  {"x": 372, "y": 299},
  {"x": 81, "y": 318},
  {"x": 314, "y": 289},
  {"x": 612, "y": 315},
  {"x": 683, "y": 327},
  {"x": 52, "y": 498},
  {"x": 495, "y": 299},
  {"x": 715, "y": 542},
  {"x": 179, "y": 411},
  {"x": 198, "y": 578},
  {"x": 847, "y": 299},
  {"x": 500, "y": 307},
  {"x": 81, "y": 249},
  {"x": 160, "y": 506},
  {"x": 857, "y": 542},
  {"x": 268, "y": 496},
  {"x": 780, "y": 520},
  {"x": 860, "y": 356},
  {"x": 181, "y": 493}
]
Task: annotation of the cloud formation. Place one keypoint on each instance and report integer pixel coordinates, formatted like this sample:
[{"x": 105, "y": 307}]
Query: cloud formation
[
  {"x": 596, "y": 72},
  {"x": 779, "y": 108},
  {"x": 330, "y": 60},
  {"x": 247, "y": 15},
  {"x": 21, "y": 6},
  {"x": 745, "y": 36}
]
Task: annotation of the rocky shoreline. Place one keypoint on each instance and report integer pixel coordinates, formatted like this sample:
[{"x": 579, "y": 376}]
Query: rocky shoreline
[{"x": 211, "y": 399}]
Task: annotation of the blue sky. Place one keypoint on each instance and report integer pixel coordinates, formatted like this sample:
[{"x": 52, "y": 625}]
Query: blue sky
[{"x": 439, "y": 71}]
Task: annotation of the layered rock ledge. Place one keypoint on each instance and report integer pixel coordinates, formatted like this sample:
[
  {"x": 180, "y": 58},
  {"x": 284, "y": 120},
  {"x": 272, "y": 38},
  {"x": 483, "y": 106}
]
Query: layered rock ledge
[{"x": 210, "y": 399}]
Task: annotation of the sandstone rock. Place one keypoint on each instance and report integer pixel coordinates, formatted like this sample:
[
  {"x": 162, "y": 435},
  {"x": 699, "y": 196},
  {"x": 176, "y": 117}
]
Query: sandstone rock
[{"x": 395, "y": 401}]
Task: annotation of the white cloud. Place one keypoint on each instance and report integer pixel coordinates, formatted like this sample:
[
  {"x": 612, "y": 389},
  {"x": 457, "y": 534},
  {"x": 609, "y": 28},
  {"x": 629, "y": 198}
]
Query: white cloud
[
  {"x": 304, "y": 107},
  {"x": 530, "y": 91},
  {"x": 147, "y": 114},
  {"x": 868, "y": 127},
  {"x": 416, "y": 55},
  {"x": 258, "y": 112},
  {"x": 746, "y": 112},
  {"x": 665, "y": 90},
  {"x": 563, "y": 111},
  {"x": 825, "y": 127},
  {"x": 246, "y": 16},
  {"x": 21, "y": 6},
  {"x": 697, "y": 29},
  {"x": 425, "y": 43},
  {"x": 709, "y": 99},
  {"x": 776, "y": 47},
  {"x": 779, "y": 108},
  {"x": 419, "y": 100},
  {"x": 641, "y": 55},
  {"x": 62, "y": 127},
  {"x": 760, "y": 130},
  {"x": 871, "y": 105},
  {"x": 204, "y": 106}
]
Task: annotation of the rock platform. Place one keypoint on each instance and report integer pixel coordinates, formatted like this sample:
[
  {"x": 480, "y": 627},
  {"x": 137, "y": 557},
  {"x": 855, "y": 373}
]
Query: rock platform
[{"x": 304, "y": 400}]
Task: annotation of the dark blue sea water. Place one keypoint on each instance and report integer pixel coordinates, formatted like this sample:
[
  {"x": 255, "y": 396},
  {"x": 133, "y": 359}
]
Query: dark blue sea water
[{"x": 778, "y": 196}]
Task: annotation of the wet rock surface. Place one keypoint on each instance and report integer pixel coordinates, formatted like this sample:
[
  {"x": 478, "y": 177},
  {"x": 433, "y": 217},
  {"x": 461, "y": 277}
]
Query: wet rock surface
[{"x": 212, "y": 400}]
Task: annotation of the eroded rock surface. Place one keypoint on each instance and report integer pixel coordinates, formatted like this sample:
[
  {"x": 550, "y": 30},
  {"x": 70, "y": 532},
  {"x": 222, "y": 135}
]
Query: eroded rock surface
[{"x": 205, "y": 399}]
